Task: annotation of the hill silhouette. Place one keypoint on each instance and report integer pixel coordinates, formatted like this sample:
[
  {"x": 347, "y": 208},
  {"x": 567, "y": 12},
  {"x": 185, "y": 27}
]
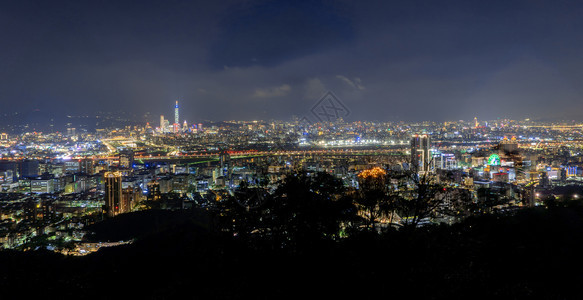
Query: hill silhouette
[{"x": 532, "y": 254}]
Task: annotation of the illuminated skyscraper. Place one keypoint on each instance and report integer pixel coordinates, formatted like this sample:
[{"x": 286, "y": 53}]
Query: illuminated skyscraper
[
  {"x": 420, "y": 154},
  {"x": 176, "y": 119},
  {"x": 508, "y": 146},
  {"x": 176, "y": 125},
  {"x": 113, "y": 193},
  {"x": 130, "y": 196},
  {"x": 166, "y": 126},
  {"x": 162, "y": 123}
]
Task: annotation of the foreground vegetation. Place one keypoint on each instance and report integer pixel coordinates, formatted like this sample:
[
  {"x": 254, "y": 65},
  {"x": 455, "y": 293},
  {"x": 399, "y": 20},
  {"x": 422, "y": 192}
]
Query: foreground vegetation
[
  {"x": 307, "y": 240},
  {"x": 535, "y": 253}
]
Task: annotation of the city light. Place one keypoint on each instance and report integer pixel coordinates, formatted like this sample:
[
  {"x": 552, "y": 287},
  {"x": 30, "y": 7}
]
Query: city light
[{"x": 290, "y": 149}]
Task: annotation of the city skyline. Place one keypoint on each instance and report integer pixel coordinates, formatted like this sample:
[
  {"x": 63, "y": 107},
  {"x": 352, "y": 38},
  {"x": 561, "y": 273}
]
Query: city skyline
[
  {"x": 18, "y": 122},
  {"x": 272, "y": 60},
  {"x": 246, "y": 149}
]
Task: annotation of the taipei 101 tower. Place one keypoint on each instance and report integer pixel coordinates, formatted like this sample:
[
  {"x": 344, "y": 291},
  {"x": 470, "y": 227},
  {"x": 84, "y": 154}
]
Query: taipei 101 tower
[{"x": 176, "y": 118}]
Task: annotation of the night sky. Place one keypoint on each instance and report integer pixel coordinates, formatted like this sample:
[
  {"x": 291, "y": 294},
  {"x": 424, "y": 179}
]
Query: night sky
[{"x": 385, "y": 60}]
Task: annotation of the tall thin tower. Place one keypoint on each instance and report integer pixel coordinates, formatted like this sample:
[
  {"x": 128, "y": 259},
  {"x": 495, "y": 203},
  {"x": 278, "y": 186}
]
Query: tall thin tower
[{"x": 176, "y": 119}]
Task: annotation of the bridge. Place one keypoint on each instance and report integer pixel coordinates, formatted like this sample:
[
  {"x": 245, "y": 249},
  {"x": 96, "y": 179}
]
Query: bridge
[
  {"x": 558, "y": 127},
  {"x": 247, "y": 154},
  {"x": 212, "y": 156}
]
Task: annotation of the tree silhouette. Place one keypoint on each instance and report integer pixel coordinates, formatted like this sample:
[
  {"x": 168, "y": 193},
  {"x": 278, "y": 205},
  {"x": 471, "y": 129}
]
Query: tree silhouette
[
  {"x": 419, "y": 197},
  {"x": 241, "y": 214},
  {"x": 373, "y": 197},
  {"x": 308, "y": 207},
  {"x": 304, "y": 209}
]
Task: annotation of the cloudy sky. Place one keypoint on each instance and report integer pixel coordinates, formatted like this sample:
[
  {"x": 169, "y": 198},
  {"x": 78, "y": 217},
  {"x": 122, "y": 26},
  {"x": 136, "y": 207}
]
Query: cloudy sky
[{"x": 385, "y": 60}]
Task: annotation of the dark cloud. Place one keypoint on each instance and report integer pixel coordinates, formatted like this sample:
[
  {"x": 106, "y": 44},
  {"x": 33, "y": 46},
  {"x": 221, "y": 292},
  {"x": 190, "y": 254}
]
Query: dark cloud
[
  {"x": 413, "y": 60},
  {"x": 270, "y": 32}
]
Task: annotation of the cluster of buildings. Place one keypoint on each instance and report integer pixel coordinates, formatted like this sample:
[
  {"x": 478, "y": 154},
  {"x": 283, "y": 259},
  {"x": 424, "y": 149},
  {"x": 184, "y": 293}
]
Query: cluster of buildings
[
  {"x": 176, "y": 126},
  {"x": 56, "y": 183}
]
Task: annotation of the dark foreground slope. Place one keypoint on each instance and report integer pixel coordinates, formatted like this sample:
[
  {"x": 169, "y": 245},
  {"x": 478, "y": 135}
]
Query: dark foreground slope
[{"x": 534, "y": 254}]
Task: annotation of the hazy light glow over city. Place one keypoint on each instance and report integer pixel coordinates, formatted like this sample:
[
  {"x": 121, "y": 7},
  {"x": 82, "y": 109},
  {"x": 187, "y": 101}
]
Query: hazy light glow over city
[{"x": 273, "y": 59}]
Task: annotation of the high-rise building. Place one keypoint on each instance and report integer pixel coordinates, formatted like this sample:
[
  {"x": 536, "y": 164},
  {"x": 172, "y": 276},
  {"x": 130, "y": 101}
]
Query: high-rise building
[
  {"x": 224, "y": 159},
  {"x": 42, "y": 185},
  {"x": 113, "y": 193},
  {"x": 6, "y": 177},
  {"x": 10, "y": 166},
  {"x": 71, "y": 131},
  {"x": 130, "y": 196},
  {"x": 420, "y": 153},
  {"x": 508, "y": 146},
  {"x": 176, "y": 119},
  {"x": 162, "y": 124},
  {"x": 126, "y": 159},
  {"x": 176, "y": 125},
  {"x": 509, "y": 152},
  {"x": 71, "y": 166},
  {"x": 86, "y": 166},
  {"x": 166, "y": 126},
  {"x": 153, "y": 190},
  {"x": 29, "y": 168}
]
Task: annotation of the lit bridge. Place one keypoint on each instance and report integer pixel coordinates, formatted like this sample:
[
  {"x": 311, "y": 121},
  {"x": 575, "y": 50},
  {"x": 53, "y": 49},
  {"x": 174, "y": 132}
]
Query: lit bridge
[{"x": 251, "y": 154}]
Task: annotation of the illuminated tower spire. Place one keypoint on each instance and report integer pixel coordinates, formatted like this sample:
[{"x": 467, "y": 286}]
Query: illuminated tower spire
[{"x": 176, "y": 119}]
